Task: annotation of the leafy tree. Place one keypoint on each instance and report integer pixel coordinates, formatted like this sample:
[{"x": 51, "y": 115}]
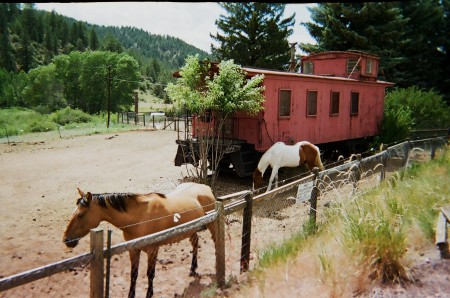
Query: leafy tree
[
  {"x": 68, "y": 70},
  {"x": 219, "y": 95},
  {"x": 44, "y": 89},
  {"x": 126, "y": 81},
  {"x": 255, "y": 34}
]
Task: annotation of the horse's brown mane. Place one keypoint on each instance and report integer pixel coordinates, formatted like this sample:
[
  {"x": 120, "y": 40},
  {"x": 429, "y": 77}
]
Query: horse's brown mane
[{"x": 118, "y": 201}]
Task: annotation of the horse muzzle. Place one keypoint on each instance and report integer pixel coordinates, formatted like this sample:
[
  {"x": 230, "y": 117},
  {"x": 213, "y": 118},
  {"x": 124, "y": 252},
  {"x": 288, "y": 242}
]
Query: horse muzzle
[{"x": 70, "y": 242}]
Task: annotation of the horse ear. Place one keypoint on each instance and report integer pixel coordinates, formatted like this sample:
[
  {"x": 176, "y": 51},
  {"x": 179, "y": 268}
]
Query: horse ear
[
  {"x": 88, "y": 197},
  {"x": 80, "y": 192}
]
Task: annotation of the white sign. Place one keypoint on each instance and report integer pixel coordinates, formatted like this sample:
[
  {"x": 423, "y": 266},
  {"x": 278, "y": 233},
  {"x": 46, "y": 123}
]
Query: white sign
[{"x": 304, "y": 192}]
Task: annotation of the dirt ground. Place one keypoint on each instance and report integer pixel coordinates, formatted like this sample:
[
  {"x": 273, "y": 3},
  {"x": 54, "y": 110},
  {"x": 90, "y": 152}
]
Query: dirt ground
[{"x": 38, "y": 182}]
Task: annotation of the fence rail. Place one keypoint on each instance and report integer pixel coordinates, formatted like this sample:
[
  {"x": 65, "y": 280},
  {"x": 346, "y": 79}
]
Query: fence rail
[{"x": 306, "y": 189}]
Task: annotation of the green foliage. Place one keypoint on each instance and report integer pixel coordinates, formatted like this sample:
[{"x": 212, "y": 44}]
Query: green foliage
[
  {"x": 19, "y": 121},
  {"x": 68, "y": 115},
  {"x": 427, "y": 108},
  {"x": 226, "y": 92},
  {"x": 397, "y": 125},
  {"x": 409, "y": 108},
  {"x": 44, "y": 89},
  {"x": 255, "y": 34}
]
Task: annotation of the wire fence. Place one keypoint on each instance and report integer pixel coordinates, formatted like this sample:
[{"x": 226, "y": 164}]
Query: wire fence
[{"x": 247, "y": 225}]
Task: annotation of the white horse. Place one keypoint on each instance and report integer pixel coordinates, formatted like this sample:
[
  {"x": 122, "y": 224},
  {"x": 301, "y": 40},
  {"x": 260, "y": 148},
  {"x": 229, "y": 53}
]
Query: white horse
[{"x": 282, "y": 155}]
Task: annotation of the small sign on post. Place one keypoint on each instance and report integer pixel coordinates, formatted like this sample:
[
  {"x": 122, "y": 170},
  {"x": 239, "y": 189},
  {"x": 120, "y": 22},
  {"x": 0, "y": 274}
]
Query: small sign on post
[{"x": 304, "y": 192}]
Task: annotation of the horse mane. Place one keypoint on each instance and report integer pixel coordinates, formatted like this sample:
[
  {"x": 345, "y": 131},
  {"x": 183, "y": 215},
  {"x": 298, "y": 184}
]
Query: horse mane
[{"x": 117, "y": 201}]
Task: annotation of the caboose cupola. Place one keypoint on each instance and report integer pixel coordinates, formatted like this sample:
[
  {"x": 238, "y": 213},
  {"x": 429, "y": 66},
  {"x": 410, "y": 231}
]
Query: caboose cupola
[{"x": 349, "y": 64}]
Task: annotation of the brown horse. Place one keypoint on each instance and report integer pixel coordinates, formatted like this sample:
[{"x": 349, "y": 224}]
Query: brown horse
[
  {"x": 282, "y": 155},
  {"x": 138, "y": 215}
]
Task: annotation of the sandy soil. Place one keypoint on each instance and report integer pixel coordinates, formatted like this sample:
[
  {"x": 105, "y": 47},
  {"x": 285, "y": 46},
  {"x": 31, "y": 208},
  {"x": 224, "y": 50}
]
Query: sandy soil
[{"x": 38, "y": 182}]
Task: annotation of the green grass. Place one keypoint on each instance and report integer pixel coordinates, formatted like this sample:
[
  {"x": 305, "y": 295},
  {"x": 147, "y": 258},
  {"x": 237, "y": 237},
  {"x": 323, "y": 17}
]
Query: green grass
[{"x": 17, "y": 124}]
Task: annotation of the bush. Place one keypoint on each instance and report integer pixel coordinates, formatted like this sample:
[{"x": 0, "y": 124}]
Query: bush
[
  {"x": 42, "y": 125},
  {"x": 397, "y": 125},
  {"x": 68, "y": 115},
  {"x": 427, "y": 108}
]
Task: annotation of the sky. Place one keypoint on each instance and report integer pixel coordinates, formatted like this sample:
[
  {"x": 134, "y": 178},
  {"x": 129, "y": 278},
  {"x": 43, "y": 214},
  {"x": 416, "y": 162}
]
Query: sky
[{"x": 192, "y": 22}]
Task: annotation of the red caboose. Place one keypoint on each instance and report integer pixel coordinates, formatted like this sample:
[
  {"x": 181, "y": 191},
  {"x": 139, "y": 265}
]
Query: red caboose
[{"x": 336, "y": 102}]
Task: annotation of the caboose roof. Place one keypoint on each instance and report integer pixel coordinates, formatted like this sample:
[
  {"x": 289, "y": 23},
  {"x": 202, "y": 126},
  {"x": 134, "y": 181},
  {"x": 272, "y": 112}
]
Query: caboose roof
[
  {"x": 339, "y": 54},
  {"x": 254, "y": 71}
]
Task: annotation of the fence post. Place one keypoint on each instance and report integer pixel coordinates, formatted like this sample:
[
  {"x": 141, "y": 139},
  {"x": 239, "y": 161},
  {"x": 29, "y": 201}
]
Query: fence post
[
  {"x": 383, "y": 168},
  {"x": 406, "y": 153},
  {"x": 246, "y": 232},
  {"x": 108, "y": 263},
  {"x": 220, "y": 245},
  {"x": 97, "y": 263},
  {"x": 433, "y": 149},
  {"x": 314, "y": 196},
  {"x": 357, "y": 173}
]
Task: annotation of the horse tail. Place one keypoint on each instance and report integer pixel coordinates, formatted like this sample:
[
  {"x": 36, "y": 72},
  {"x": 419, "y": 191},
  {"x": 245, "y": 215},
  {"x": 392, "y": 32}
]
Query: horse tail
[{"x": 318, "y": 161}]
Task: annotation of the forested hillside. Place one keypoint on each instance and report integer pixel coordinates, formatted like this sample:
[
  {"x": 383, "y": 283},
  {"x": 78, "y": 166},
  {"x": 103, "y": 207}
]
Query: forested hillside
[{"x": 30, "y": 38}]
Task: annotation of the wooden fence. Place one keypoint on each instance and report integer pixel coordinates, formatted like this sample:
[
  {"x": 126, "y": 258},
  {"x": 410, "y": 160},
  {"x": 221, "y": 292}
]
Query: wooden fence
[{"x": 305, "y": 189}]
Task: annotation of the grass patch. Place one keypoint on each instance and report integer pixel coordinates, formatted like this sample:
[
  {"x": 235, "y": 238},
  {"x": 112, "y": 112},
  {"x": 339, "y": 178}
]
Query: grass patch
[{"x": 17, "y": 124}]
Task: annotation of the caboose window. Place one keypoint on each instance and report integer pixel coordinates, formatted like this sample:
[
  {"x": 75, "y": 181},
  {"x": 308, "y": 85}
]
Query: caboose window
[
  {"x": 354, "y": 104},
  {"x": 352, "y": 65},
  {"x": 308, "y": 67},
  {"x": 285, "y": 103},
  {"x": 334, "y": 103},
  {"x": 311, "y": 103},
  {"x": 369, "y": 66}
]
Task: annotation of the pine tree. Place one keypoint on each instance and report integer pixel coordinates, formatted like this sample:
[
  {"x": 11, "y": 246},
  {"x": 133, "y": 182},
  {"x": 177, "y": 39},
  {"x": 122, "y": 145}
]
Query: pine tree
[
  {"x": 93, "y": 40},
  {"x": 6, "y": 51},
  {"x": 371, "y": 27},
  {"x": 409, "y": 37},
  {"x": 254, "y": 34}
]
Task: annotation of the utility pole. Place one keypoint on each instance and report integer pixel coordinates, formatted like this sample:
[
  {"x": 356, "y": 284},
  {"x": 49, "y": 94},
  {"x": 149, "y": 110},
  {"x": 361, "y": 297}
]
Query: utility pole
[
  {"x": 292, "y": 63},
  {"x": 109, "y": 94}
]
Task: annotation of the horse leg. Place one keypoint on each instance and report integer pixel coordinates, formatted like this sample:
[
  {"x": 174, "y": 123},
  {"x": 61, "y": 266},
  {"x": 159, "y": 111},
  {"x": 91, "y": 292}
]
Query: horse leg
[
  {"x": 272, "y": 176},
  {"x": 134, "y": 259},
  {"x": 194, "y": 242},
  {"x": 152, "y": 255}
]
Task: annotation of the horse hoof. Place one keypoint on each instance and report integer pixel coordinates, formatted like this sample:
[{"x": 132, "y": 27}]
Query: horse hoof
[{"x": 193, "y": 273}]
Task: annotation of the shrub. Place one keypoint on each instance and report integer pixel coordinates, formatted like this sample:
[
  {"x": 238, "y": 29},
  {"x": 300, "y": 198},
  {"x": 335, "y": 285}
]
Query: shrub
[
  {"x": 68, "y": 115},
  {"x": 42, "y": 125}
]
